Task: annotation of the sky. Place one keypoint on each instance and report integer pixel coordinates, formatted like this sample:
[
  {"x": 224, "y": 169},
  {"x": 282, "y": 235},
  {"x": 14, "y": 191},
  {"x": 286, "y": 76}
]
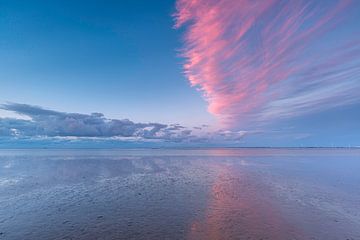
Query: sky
[{"x": 179, "y": 73}]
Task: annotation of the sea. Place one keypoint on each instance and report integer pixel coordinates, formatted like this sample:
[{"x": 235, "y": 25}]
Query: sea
[{"x": 210, "y": 193}]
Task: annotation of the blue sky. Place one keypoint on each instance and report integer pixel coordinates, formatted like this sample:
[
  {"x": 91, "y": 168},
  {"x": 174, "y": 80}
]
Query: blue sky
[
  {"x": 118, "y": 57},
  {"x": 139, "y": 60}
]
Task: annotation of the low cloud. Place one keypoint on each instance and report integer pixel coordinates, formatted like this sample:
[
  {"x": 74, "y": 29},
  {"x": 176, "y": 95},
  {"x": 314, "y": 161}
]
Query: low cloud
[{"x": 50, "y": 124}]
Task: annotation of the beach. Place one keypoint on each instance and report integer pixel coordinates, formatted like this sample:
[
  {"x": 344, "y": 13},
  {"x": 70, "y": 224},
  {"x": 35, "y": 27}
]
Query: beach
[{"x": 222, "y": 193}]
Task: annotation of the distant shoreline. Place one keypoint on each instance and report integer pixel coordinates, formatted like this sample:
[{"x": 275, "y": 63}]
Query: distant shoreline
[{"x": 168, "y": 148}]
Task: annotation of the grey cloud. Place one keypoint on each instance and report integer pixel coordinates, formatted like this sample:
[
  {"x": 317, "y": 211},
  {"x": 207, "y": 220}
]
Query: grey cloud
[{"x": 53, "y": 124}]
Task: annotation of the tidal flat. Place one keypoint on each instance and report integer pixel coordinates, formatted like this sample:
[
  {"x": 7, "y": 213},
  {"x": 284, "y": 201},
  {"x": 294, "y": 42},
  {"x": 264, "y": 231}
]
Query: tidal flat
[{"x": 227, "y": 193}]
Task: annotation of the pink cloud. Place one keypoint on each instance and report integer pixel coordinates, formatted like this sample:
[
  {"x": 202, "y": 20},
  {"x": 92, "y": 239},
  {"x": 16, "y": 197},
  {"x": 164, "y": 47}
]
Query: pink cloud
[{"x": 257, "y": 60}]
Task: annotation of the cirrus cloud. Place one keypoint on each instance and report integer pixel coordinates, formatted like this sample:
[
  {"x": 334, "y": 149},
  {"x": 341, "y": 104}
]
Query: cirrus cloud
[{"x": 256, "y": 61}]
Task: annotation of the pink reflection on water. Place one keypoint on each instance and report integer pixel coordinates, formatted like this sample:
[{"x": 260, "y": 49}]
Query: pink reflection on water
[{"x": 238, "y": 208}]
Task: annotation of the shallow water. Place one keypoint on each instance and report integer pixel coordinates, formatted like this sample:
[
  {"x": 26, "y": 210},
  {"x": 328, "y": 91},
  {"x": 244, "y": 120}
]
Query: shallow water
[{"x": 180, "y": 194}]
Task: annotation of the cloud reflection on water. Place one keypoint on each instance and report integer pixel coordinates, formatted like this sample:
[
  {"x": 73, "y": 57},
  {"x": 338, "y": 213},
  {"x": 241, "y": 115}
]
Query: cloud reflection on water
[{"x": 238, "y": 208}]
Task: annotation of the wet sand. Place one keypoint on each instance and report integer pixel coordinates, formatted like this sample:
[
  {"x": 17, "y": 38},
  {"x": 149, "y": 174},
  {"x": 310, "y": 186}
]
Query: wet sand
[{"x": 180, "y": 194}]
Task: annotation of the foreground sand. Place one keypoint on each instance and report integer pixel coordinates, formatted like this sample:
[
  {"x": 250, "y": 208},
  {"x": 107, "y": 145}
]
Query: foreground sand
[{"x": 180, "y": 194}]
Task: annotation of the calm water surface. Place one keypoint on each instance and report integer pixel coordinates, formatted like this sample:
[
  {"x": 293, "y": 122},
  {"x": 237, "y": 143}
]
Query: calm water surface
[{"x": 180, "y": 194}]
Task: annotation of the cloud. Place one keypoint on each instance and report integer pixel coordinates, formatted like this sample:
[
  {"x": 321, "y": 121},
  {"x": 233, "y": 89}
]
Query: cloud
[
  {"x": 54, "y": 125},
  {"x": 256, "y": 61}
]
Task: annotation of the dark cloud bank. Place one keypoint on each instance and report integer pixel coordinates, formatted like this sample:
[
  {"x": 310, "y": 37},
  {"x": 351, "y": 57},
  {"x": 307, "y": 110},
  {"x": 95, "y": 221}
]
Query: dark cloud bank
[{"x": 48, "y": 125}]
